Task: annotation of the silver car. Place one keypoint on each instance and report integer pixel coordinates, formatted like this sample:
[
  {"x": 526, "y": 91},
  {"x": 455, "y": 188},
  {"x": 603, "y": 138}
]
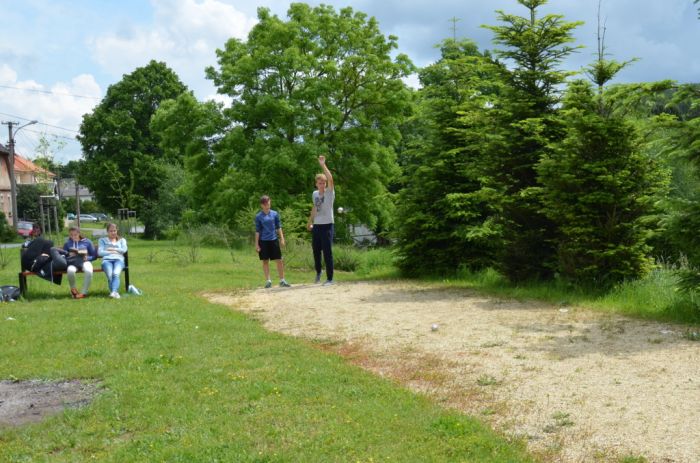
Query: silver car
[{"x": 87, "y": 218}]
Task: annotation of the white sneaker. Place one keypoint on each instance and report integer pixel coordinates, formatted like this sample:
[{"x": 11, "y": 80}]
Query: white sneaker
[
  {"x": 327, "y": 283},
  {"x": 114, "y": 295}
]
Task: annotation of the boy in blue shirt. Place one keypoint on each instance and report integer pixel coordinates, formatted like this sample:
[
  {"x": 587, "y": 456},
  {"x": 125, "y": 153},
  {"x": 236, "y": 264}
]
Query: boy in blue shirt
[{"x": 267, "y": 226}]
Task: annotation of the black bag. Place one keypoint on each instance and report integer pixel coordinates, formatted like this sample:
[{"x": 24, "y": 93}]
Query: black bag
[{"x": 9, "y": 293}]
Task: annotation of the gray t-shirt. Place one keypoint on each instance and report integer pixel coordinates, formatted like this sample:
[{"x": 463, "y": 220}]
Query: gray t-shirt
[{"x": 324, "y": 207}]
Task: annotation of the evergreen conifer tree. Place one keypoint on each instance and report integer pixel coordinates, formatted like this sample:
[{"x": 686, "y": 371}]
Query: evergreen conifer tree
[
  {"x": 533, "y": 48},
  {"x": 444, "y": 210}
]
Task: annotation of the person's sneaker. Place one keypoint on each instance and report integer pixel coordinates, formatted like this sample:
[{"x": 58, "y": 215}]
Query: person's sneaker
[
  {"x": 327, "y": 282},
  {"x": 268, "y": 284},
  {"x": 114, "y": 295},
  {"x": 318, "y": 278},
  {"x": 284, "y": 284},
  {"x": 80, "y": 296}
]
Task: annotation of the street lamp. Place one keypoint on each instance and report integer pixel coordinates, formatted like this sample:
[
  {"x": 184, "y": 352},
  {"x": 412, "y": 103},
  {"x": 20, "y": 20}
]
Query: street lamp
[{"x": 11, "y": 167}]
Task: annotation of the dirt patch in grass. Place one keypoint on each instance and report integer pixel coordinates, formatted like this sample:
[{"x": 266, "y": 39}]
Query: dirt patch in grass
[
  {"x": 577, "y": 385},
  {"x": 30, "y": 401}
]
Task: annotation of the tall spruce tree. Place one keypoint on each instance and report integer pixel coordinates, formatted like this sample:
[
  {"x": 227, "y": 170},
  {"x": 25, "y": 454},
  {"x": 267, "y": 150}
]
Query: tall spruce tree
[
  {"x": 683, "y": 216},
  {"x": 598, "y": 186},
  {"x": 533, "y": 48},
  {"x": 600, "y": 190},
  {"x": 444, "y": 210}
]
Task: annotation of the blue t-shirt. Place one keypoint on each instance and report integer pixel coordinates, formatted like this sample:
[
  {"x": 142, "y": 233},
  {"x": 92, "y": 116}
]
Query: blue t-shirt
[{"x": 267, "y": 225}]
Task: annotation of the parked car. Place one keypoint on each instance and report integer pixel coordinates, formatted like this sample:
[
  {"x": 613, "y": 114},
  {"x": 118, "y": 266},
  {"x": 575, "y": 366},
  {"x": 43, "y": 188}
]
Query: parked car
[
  {"x": 25, "y": 229},
  {"x": 70, "y": 216},
  {"x": 84, "y": 218},
  {"x": 101, "y": 217}
]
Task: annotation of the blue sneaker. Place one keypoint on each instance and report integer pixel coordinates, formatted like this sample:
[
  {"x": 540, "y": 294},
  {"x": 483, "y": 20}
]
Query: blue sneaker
[
  {"x": 268, "y": 284},
  {"x": 328, "y": 283},
  {"x": 284, "y": 284}
]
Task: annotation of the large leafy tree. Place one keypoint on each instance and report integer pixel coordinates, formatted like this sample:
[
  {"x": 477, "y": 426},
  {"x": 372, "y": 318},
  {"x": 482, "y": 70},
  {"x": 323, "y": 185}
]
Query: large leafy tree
[
  {"x": 321, "y": 82},
  {"x": 444, "y": 210},
  {"x": 533, "y": 48},
  {"x": 123, "y": 160},
  {"x": 191, "y": 130}
]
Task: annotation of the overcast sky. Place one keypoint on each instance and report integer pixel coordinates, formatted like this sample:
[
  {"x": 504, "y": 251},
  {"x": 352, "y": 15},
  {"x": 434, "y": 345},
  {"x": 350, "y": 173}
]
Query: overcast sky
[{"x": 57, "y": 57}]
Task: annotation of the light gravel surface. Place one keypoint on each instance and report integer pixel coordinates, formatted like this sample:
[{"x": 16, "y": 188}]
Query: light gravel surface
[{"x": 577, "y": 385}]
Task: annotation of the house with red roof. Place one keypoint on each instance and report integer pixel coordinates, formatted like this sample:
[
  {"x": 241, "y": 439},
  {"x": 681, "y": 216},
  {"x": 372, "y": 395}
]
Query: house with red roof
[{"x": 26, "y": 172}]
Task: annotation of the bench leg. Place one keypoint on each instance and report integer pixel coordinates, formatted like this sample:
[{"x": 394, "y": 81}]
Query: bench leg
[{"x": 23, "y": 285}]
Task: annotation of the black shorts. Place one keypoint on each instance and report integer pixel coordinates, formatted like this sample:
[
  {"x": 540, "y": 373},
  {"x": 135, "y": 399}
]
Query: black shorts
[{"x": 270, "y": 250}]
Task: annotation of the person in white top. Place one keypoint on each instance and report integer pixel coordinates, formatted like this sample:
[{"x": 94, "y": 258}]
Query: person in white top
[
  {"x": 111, "y": 249},
  {"x": 321, "y": 222}
]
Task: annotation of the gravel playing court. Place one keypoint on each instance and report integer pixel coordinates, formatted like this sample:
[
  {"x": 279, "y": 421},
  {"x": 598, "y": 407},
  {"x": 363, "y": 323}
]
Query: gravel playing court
[{"x": 579, "y": 386}]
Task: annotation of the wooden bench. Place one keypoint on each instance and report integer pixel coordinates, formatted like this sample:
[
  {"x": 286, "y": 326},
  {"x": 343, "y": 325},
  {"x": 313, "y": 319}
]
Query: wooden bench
[{"x": 24, "y": 274}]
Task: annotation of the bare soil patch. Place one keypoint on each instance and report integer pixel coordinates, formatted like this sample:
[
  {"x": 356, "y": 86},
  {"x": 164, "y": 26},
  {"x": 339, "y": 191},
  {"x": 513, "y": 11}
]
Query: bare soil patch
[
  {"x": 30, "y": 401},
  {"x": 578, "y": 386}
]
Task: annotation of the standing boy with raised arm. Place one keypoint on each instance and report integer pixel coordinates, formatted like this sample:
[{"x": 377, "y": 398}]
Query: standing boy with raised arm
[{"x": 321, "y": 222}]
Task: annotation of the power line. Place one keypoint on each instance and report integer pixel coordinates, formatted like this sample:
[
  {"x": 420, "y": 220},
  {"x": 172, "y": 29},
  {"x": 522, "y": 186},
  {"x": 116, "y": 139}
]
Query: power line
[
  {"x": 53, "y": 135},
  {"x": 15, "y": 116},
  {"x": 40, "y": 123},
  {"x": 48, "y": 92},
  {"x": 57, "y": 127}
]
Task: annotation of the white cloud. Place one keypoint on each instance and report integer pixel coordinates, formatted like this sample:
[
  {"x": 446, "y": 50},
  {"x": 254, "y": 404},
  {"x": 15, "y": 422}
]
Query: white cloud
[
  {"x": 7, "y": 75},
  {"x": 60, "y": 106},
  {"x": 185, "y": 35}
]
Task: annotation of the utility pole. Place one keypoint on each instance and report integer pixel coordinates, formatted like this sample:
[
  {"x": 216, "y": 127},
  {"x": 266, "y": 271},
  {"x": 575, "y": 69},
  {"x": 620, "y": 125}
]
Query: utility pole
[
  {"x": 77, "y": 201},
  {"x": 11, "y": 167}
]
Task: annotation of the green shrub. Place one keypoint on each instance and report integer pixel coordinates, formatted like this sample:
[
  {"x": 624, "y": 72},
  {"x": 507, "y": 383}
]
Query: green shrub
[
  {"x": 346, "y": 258},
  {"x": 7, "y": 233}
]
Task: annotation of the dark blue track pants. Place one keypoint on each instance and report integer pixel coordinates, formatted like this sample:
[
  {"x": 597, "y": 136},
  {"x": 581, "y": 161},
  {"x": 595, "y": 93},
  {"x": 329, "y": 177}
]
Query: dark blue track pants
[{"x": 322, "y": 242}]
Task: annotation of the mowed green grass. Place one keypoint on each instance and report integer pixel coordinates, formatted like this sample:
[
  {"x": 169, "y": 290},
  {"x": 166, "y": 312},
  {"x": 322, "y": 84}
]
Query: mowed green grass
[{"x": 185, "y": 380}]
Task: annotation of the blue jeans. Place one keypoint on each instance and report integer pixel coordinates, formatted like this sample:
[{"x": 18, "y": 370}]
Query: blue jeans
[
  {"x": 322, "y": 243},
  {"x": 113, "y": 269}
]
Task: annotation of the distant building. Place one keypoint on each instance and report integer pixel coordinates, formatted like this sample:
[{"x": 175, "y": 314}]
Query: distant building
[
  {"x": 26, "y": 173},
  {"x": 66, "y": 189}
]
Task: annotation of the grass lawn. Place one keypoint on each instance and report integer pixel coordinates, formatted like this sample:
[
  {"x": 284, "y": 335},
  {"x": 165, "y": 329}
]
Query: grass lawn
[{"x": 185, "y": 380}]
